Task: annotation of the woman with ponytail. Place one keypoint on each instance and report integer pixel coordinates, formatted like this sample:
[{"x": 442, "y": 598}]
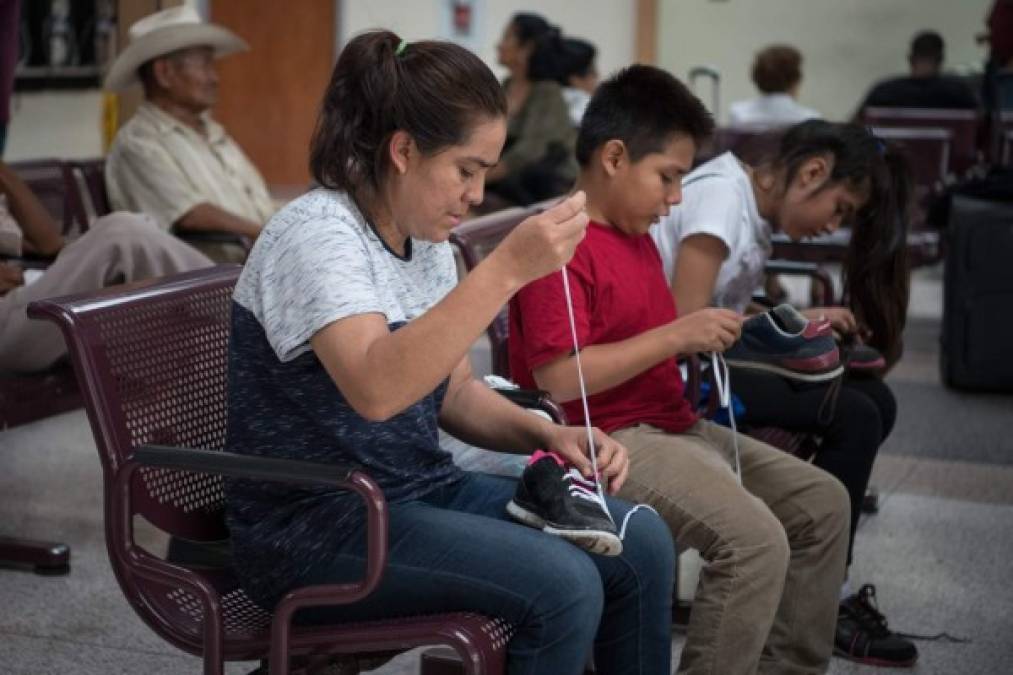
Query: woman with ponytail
[
  {"x": 349, "y": 346},
  {"x": 714, "y": 247}
]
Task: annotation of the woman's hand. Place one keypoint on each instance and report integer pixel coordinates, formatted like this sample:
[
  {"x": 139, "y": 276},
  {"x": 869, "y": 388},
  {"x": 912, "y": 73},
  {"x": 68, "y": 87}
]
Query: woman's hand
[
  {"x": 840, "y": 318},
  {"x": 10, "y": 277},
  {"x": 544, "y": 242},
  {"x": 613, "y": 458}
]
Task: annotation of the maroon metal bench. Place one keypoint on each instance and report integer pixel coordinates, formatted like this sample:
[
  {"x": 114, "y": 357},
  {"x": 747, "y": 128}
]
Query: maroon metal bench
[
  {"x": 475, "y": 239},
  {"x": 50, "y": 180},
  {"x": 89, "y": 195},
  {"x": 963, "y": 125},
  {"x": 151, "y": 359}
]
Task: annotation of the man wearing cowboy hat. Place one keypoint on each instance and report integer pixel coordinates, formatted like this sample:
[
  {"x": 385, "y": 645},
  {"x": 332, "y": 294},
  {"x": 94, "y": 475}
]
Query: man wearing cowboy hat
[{"x": 171, "y": 160}]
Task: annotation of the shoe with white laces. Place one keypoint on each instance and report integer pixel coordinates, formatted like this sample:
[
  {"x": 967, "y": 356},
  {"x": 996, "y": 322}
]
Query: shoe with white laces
[
  {"x": 784, "y": 342},
  {"x": 560, "y": 501}
]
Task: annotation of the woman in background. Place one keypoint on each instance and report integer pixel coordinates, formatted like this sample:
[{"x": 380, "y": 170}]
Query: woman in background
[{"x": 538, "y": 159}]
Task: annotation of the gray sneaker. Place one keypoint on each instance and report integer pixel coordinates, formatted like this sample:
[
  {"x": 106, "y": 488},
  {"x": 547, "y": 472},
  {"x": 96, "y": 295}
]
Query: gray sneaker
[{"x": 783, "y": 341}]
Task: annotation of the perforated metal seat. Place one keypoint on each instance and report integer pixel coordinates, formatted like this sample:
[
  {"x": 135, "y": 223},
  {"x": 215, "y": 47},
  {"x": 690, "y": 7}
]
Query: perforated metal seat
[{"x": 151, "y": 359}]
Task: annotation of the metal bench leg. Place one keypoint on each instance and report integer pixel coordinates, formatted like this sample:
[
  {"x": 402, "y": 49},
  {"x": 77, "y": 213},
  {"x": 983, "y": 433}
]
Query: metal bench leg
[{"x": 43, "y": 557}]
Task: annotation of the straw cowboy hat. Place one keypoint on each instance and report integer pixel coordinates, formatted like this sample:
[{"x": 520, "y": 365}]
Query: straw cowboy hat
[{"x": 164, "y": 32}]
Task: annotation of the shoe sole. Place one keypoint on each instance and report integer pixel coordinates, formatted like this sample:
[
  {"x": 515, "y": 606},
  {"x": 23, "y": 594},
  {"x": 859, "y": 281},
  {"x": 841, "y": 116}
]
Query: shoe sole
[
  {"x": 869, "y": 661},
  {"x": 599, "y": 542},
  {"x": 790, "y": 374}
]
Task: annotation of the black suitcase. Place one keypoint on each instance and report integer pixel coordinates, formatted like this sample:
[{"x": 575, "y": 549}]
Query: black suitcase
[{"x": 977, "y": 337}]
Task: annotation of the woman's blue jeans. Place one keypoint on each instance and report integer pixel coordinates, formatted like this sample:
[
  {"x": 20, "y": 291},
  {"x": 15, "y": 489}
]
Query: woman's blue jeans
[{"x": 457, "y": 550}]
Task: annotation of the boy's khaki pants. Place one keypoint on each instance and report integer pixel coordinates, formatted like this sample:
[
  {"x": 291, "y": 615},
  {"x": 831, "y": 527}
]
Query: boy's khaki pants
[{"x": 774, "y": 547}]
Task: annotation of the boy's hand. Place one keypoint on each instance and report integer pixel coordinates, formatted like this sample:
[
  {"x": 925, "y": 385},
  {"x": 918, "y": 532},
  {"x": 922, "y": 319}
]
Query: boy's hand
[
  {"x": 545, "y": 242},
  {"x": 706, "y": 330},
  {"x": 841, "y": 318},
  {"x": 613, "y": 459}
]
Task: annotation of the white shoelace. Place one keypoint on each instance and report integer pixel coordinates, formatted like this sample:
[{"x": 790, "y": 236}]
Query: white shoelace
[
  {"x": 600, "y": 493},
  {"x": 723, "y": 385}
]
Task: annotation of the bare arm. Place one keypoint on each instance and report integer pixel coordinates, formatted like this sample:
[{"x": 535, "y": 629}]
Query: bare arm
[
  {"x": 696, "y": 274},
  {"x": 382, "y": 373},
  {"x": 608, "y": 365},
  {"x": 477, "y": 415},
  {"x": 41, "y": 234},
  {"x": 207, "y": 217}
]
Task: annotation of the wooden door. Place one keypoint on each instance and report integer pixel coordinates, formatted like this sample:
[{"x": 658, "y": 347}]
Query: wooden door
[{"x": 269, "y": 96}]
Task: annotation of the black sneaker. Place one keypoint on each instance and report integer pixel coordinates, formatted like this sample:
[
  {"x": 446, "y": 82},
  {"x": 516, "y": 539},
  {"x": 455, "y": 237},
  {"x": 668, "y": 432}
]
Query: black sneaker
[
  {"x": 863, "y": 636},
  {"x": 564, "y": 503}
]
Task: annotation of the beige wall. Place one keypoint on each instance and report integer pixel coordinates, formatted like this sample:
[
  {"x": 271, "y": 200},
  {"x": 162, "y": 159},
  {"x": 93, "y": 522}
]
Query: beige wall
[
  {"x": 67, "y": 124},
  {"x": 55, "y": 124},
  {"x": 609, "y": 24},
  {"x": 847, "y": 44}
]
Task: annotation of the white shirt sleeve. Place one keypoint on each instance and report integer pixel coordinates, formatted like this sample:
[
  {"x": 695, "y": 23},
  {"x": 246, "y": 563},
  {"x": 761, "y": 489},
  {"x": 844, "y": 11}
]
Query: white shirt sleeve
[{"x": 713, "y": 207}]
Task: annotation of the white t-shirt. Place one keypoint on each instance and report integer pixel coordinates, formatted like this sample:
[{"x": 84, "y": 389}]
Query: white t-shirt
[
  {"x": 718, "y": 199},
  {"x": 769, "y": 111}
]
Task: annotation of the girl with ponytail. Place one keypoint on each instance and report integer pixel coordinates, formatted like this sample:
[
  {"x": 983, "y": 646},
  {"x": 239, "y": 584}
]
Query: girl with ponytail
[{"x": 714, "y": 247}]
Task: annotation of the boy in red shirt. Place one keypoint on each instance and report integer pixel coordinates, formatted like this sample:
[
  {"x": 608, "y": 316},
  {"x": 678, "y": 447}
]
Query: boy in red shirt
[{"x": 775, "y": 541}]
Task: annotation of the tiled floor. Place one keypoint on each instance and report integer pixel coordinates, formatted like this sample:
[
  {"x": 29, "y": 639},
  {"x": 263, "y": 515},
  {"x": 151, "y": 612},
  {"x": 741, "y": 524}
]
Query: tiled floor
[{"x": 939, "y": 551}]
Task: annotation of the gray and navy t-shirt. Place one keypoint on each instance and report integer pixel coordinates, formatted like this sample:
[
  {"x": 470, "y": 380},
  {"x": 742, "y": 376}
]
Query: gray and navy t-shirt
[{"x": 317, "y": 261}]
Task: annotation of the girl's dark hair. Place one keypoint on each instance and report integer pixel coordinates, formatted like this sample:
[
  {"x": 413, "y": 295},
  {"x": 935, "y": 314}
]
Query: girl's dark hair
[
  {"x": 876, "y": 274},
  {"x": 777, "y": 69},
  {"x": 435, "y": 91}
]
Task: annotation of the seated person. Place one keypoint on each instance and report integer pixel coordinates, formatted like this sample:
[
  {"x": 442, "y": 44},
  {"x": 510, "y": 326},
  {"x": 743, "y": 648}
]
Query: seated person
[
  {"x": 925, "y": 86},
  {"x": 118, "y": 248},
  {"x": 537, "y": 161},
  {"x": 774, "y": 536},
  {"x": 579, "y": 77},
  {"x": 714, "y": 247},
  {"x": 349, "y": 327},
  {"x": 777, "y": 73},
  {"x": 171, "y": 160}
]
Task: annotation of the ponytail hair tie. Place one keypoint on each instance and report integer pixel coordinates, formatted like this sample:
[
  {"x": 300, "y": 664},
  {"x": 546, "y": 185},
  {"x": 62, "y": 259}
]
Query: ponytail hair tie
[{"x": 400, "y": 48}]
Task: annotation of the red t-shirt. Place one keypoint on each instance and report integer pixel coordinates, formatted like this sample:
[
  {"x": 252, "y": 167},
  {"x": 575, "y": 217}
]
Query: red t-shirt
[{"x": 619, "y": 291}]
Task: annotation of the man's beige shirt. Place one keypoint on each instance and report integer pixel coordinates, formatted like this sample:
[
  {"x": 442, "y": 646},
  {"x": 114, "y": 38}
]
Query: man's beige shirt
[{"x": 160, "y": 166}]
